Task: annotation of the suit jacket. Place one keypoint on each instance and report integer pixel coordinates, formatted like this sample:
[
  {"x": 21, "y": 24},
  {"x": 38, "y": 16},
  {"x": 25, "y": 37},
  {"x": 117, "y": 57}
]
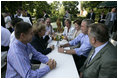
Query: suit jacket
[
  {"x": 108, "y": 17},
  {"x": 89, "y": 16},
  {"x": 100, "y": 19},
  {"x": 103, "y": 65},
  {"x": 45, "y": 16}
]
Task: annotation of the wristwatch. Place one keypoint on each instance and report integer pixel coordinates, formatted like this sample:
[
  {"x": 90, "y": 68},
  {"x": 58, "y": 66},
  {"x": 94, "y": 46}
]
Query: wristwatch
[{"x": 64, "y": 51}]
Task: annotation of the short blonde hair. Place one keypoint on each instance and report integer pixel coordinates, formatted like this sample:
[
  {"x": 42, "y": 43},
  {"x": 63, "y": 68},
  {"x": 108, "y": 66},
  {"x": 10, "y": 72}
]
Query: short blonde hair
[{"x": 37, "y": 27}]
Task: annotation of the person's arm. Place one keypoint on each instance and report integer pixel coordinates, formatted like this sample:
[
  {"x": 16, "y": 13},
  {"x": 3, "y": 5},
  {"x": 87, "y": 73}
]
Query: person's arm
[
  {"x": 76, "y": 40},
  {"x": 38, "y": 56},
  {"x": 47, "y": 51},
  {"x": 46, "y": 38},
  {"x": 62, "y": 50},
  {"x": 23, "y": 67},
  {"x": 73, "y": 42},
  {"x": 84, "y": 49},
  {"x": 65, "y": 45}
]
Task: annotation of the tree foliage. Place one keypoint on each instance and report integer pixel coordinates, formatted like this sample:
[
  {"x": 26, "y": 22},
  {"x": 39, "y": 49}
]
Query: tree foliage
[
  {"x": 39, "y": 6},
  {"x": 90, "y": 4},
  {"x": 55, "y": 6},
  {"x": 71, "y": 6},
  {"x": 10, "y": 6},
  {"x": 87, "y": 5}
]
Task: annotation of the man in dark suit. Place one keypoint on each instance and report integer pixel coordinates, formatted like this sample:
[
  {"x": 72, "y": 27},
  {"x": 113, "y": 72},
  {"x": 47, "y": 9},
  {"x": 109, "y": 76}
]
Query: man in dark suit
[
  {"x": 45, "y": 16},
  {"x": 111, "y": 19},
  {"x": 102, "y": 60},
  {"x": 91, "y": 15},
  {"x": 28, "y": 15},
  {"x": 102, "y": 18}
]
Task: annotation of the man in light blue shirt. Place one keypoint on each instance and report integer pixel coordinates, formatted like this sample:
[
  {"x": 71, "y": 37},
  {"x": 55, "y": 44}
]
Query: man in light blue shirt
[
  {"x": 85, "y": 47},
  {"x": 20, "y": 53}
]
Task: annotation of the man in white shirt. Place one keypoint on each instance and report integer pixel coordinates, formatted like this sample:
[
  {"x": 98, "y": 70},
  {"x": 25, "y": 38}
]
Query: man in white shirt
[
  {"x": 49, "y": 29},
  {"x": 25, "y": 18},
  {"x": 7, "y": 20},
  {"x": 5, "y": 36}
]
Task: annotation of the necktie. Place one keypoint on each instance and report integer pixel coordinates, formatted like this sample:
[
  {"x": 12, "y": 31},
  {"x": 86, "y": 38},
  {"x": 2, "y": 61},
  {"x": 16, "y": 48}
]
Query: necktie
[{"x": 90, "y": 57}]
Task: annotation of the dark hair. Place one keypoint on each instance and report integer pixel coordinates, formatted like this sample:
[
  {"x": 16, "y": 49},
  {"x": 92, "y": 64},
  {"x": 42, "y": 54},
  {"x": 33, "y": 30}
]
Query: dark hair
[
  {"x": 68, "y": 20},
  {"x": 78, "y": 21},
  {"x": 91, "y": 9},
  {"x": 99, "y": 31},
  {"x": 2, "y": 21},
  {"x": 44, "y": 11},
  {"x": 15, "y": 21},
  {"x": 22, "y": 27}
]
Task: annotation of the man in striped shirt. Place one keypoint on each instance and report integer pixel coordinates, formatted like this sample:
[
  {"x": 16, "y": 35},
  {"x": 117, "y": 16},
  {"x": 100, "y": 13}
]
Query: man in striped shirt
[{"x": 20, "y": 53}]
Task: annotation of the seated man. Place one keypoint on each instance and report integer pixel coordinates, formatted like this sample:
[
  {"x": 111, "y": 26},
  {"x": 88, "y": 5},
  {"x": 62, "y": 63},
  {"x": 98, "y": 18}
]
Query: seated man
[
  {"x": 85, "y": 47},
  {"x": 20, "y": 53},
  {"x": 102, "y": 60},
  {"x": 49, "y": 29}
]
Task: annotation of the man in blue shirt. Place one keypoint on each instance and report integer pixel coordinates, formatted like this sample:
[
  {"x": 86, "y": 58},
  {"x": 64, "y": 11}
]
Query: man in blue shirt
[
  {"x": 20, "y": 53},
  {"x": 83, "y": 50}
]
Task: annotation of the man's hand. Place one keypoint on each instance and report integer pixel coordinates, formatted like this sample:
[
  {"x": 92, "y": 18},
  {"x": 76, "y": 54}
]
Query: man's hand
[
  {"x": 61, "y": 50},
  {"x": 51, "y": 63}
]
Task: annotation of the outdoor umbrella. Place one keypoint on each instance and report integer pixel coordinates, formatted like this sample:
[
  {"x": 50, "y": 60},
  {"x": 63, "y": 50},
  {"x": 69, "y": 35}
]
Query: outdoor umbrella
[{"x": 107, "y": 4}]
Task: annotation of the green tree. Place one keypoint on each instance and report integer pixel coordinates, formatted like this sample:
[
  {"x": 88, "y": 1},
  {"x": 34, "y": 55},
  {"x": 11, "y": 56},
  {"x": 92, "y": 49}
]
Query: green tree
[
  {"x": 38, "y": 6},
  {"x": 61, "y": 11},
  {"x": 71, "y": 6},
  {"x": 55, "y": 6},
  {"x": 87, "y": 5},
  {"x": 10, "y": 6}
]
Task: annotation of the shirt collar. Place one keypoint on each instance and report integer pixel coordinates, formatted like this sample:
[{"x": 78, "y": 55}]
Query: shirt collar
[
  {"x": 97, "y": 49},
  {"x": 19, "y": 43}
]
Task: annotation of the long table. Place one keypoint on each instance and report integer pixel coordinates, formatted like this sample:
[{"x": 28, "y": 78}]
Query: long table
[{"x": 65, "y": 68}]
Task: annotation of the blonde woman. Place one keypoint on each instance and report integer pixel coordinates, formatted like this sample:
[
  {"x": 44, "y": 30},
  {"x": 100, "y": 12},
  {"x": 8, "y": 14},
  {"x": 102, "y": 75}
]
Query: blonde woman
[{"x": 38, "y": 42}]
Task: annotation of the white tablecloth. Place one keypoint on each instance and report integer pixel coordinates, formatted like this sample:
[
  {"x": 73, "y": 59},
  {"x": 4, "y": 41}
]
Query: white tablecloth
[{"x": 65, "y": 64}]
